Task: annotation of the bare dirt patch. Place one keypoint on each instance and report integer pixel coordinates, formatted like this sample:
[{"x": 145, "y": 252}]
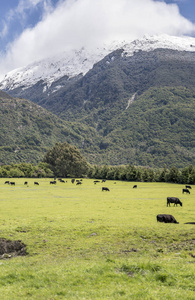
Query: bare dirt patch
[{"x": 10, "y": 248}]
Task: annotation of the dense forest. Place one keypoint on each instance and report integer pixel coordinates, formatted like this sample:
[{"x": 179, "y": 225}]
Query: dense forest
[
  {"x": 64, "y": 160},
  {"x": 157, "y": 128},
  {"x": 136, "y": 110}
]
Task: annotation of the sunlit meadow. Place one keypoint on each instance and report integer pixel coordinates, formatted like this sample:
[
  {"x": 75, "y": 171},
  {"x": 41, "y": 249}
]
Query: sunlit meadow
[{"x": 83, "y": 243}]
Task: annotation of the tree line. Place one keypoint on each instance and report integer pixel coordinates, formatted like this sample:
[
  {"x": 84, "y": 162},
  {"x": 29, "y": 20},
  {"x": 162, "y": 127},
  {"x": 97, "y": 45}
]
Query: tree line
[
  {"x": 64, "y": 160},
  {"x": 144, "y": 174}
]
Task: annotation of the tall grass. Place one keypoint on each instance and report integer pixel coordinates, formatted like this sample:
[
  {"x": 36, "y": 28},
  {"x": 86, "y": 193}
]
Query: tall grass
[{"x": 87, "y": 244}]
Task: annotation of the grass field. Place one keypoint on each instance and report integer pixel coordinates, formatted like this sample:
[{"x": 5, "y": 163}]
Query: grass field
[{"x": 83, "y": 243}]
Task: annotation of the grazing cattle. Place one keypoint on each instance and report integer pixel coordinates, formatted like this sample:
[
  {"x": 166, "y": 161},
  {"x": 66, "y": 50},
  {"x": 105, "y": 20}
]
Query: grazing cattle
[
  {"x": 103, "y": 180},
  {"x": 190, "y": 223},
  {"x": 73, "y": 180},
  {"x": 12, "y": 183},
  {"x": 186, "y": 191},
  {"x": 78, "y": 182},
  {"x": 61, "y": 180},
  {"x": 173, "y": 200},
  {"x": 135, "y": 186},
  {"x": 6, "y": 182},
  {"x": 166, "y": 219},
  {"x": 36, "y": 183},
  {"x": 105, "y": 189},
  {"x": 53, "y": 182},
  {"x": 95, "y": 181},
  {"x": 25, "y": 183},
  {"x": 188, "y": 187}
]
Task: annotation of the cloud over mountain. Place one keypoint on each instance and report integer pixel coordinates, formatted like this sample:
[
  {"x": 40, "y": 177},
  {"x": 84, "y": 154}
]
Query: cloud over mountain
[{"x": 77, "y": 23}]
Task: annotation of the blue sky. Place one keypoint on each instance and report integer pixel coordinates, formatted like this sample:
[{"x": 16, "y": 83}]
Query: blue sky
[
  {"x": 33, "y": 29},
  {"x": 186, "y": 7}
]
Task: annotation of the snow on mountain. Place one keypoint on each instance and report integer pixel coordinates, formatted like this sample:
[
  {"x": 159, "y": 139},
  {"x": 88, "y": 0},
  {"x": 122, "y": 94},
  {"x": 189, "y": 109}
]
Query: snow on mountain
[
  {"x": 149, "y": 43},
  {"x": 80, "y": 61}
]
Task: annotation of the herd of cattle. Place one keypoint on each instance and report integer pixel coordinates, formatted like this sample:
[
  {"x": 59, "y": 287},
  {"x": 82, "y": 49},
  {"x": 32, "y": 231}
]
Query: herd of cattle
[
  {"x": 165, "y": 218},
  {"x": 169, "y": 218}
]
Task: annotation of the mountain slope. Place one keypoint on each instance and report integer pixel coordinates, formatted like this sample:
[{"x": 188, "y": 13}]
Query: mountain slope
[
  {"x": 53, "y": 73},
  {"x": 109, "y": 85},
  {"x": 136, "y": 105},
  {"x": 28, "y": 131},
  {"x": 158, "y": 128}
]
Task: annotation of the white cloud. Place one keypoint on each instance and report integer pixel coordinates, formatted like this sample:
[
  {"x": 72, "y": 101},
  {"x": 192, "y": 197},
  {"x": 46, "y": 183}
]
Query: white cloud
[
  {"x": 4, "y": 31},
  {"x": 76, "y": 23},
  {"x": 21, "y": 11}
]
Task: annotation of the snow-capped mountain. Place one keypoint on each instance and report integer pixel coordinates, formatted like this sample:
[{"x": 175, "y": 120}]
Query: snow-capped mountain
[
  {"x": 75, "y": 62},
  {"x": 69, "y": 63},
  {"x": 124, "y": 103}
]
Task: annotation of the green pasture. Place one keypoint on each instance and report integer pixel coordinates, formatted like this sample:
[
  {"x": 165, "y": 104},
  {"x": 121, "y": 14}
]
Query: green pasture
[{"x": 83, "y": 243}]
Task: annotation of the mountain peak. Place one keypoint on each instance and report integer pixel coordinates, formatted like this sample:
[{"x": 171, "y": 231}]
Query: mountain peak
[
  {"x": 74, "y": 62},
  {"x": 149, "y": 43}
]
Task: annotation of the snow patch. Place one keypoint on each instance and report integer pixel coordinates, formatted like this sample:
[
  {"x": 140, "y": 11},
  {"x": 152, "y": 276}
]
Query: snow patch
[{"x": 75, "y": 62}]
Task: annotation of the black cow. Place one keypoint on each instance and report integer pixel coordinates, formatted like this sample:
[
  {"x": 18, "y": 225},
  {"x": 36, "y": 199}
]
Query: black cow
[
  {"x": 190, "y": 223},
  {"x": 53, "y": 182},
  {"x": 135, "y": 186},
  {"x": 73, "y": 180},
  {"x": 186, "y": 191},
  {"x": 6, "y": 182},
  {"x": 12, "y": 183},
  {"x": 173, "y": 200},
  {"x": 61, "y": 180},
  {"x": 78, "y": 182},
  {"x": 105, "y": 189},
  {"x": 166, "y": 219},
  {"x": 96, "y": 181},
  {"x": 25, "y": 183},
  {"x": 36, "y": 183},
  {"x": 103, "y": 180},
  {"x": 188, "y": 187}
]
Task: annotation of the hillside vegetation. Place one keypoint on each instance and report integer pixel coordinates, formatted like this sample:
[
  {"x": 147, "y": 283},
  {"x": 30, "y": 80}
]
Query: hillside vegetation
[
  {"x": 127, "y": 109},
  {"x": 157, "y": 128},
  {"x": 28, "y": 130}
]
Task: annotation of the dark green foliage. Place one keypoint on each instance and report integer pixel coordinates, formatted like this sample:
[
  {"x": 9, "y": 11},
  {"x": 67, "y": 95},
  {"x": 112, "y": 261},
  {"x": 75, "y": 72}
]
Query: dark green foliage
[
  {"x": 26, "y": 170},
  {"x": 66, "y": 161},
  {"x": 135, "y": 110},
  {"x": 146, "y": 174},
  {"x": 28, "y": 131}
]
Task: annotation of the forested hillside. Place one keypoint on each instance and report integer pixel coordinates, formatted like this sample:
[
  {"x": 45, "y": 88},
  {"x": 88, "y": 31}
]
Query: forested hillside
[
  {"x": 157, "y": 128},
  {"x": 137, "y": 109},
  {"x": 28, "y": 130}
]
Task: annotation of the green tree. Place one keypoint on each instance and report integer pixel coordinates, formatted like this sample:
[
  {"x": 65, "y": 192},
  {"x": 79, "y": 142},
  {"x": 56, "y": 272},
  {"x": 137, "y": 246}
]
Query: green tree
[
  {"x": 174, "y": 175},
  {"x": 15, "y": 172},
  {"x": 163, "y": 174},
  {"x": 66, "y": 161}
]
